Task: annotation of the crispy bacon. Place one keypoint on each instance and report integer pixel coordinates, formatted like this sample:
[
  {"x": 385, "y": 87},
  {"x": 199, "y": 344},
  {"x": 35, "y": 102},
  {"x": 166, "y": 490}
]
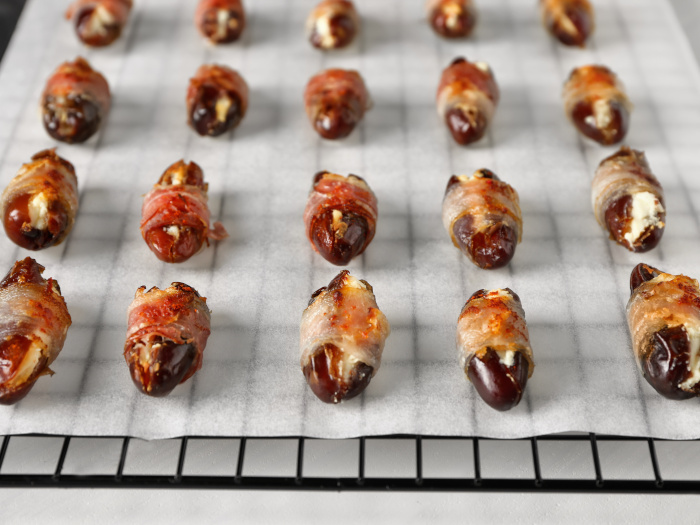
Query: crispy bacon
[
  {"x": 34, "y": 321},
  {"x": 466, "y": 99},
  {"x": 167, "y": 333},
  {"x": 596, "y": 103},
  {"x": 482, "y": 215},
  {"x": 663, "y": 315},
  {"x": 340, "y": 216},
  {"x": 99, "y": 22},
  {"x": 342, "y": 338},
  {"x": 628, "y": 200},
  {"x": 220, "y": 21},
  {"x": 40, "y": 203},
  {"x": 75, "y": 102},
  {"x": 452, "y": 18},
  {"x": 332, "y": 24},
  {"x": 570, "y": 21},
  {"x": 217, "y": 100},
  {"x": 175, "y": 215},
  {"x": 494, "y": 346},
  {"x": 335, "y": 102}
]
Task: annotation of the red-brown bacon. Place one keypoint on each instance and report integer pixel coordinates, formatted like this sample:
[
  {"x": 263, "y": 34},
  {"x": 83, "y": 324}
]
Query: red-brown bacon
[
  {"x": 99, "y": 22},
  {"x": 175, "y": 215},
  {"x": 494, "y": 346},
  {"x": 570, "y": 21},
  {"x": 628, "y": 200},
  {"x": 596, "y": 103},
  {"x": 466, "y": 99},
  {"x": 217, "y": 100},
  {"x": 663, "y": 315},
  {"x": 335, "y": 101},
  {"x": 342, "y": 338},
  {"x": 452, "y": 18},
  {"x": 34, "y": 321},
  {"x": 482, "y": 215},
  {"x": 220, "y": 21},
  {"x": 340, "y": 216},
  {"x": 75, "y": 102},
  {"x": 332, "y": 24},
  {"x": 167, "y": 333},
  {"x": 40, "y": 204}
]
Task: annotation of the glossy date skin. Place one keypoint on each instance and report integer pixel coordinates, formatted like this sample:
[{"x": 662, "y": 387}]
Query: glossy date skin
[
  {"x": 617, "y": 218},
  {"x": 72, "y": 119},
  {"x": 217, "y": 100},
  {"x": 169, "y": 364},
  {"x": 99, "y": 23},
  {"x": 452, "y": 18},
  {"x": 220, "y": 21},
  {"x": 333, "y": 25},
  {"x": 569, "y": 21},
  {"x": 586, "y": 119},
  {"x": 324, "y": 374}
]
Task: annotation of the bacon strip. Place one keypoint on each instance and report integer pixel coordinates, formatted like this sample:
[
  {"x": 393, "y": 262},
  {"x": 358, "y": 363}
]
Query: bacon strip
[
  {"x": 452, "y": 18},
  {"x": 99, "y": 22},
  {"x": 340, "y": 216},
  {"x": 494, "y": 346},
  {"x": 482, "y": 215},
  {"x": 220, "y": 21},
  {"x": 628, "y": 200},
  {"x": 40, "y": 203},
  {"x": 75, "y": 102},
  {"x": 34, "y": 321},
  {"x": 663, "y": 316},
  {"x": 335, "y": 102},
  {"x": 466, "y": 99},
  {"x": 332, "y": 24},
  {"x": 167, "y": 333},
  {"x": 342, "y": 338},
  {"x": 175, "y": 215},
  {"x": 570, "y": 21},
  {"x": 596, "y": 103}
]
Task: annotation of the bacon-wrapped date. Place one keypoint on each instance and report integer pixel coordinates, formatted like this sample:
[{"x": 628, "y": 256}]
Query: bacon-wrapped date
[
  {"x": 628, "y": 200},
  {"x": 569, "y": 21},
  {"x": 175, "y": 215},
  {"x": 335, "y": 102},
  {"x": 217, "y": 100},
  {"x": 596, "y": 103},
  {"x": 167, "y": 333},
  {"x": 452, "y": 18},
  {"x": 40, "y": 203},
  {"x": 663, "y": 315},
  {"x": 342, "y": 338},
  {"x": 332, "y": 24},
  {"x": 75, "y": 102},
  {"x": 466, "y": 99},
  {"x": 482, "y": 215},
  {"x": 34, "y": 321},
  {"x": 340, "y": 216},
  {"x": 220, "y": 21},
  {"x": 98, "y": 23},
  {"x": 494, "y": 346}
]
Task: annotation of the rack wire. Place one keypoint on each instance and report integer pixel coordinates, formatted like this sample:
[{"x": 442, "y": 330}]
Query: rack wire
[{"x": 361, "y": 481}]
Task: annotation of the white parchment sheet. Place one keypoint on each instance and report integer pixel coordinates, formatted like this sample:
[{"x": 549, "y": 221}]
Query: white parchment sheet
[{"x": 573, "y": 282}]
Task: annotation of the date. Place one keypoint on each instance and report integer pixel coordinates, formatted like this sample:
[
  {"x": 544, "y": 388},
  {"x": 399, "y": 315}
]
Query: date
[
  {"x": 342, "y": 338},
  {"x": 76, "y": 100},
  {"x": 494, "y": 347},
  {"x": 466, "y": 99},
  {"x": 167, "y": 334},
  {"x": 332, "y": 24},
  {"x": 628, "y": 200},
  {"x": 40, "y": 203},
  {"x": 175, "y": 215},
  {"x": 452, "y": 18},
  {"x": 596, "y": 103},
  {"x": 340, "y": 216},
  {"x": 569, "y": 21},
  {"x": 482, "y": 215},
  {"x": 217, "y": 100},
  {"x": 663, "y": 316},
  {"x": 98, "y": 23},
  {"x": 220, "y": 21},
  {"x": 335, "y": 102},
  {"x": 34, "y": 321}
]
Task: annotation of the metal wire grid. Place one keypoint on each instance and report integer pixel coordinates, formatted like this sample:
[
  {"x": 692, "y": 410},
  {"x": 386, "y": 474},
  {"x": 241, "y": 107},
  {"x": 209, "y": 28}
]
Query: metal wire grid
[{"x": 360, "y": 482}]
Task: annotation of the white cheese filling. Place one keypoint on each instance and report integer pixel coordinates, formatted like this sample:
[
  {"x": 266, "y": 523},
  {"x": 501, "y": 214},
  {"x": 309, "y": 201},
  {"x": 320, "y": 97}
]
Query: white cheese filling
[
  {"x": 646, "y": 209},
  {"x": 507, "y": 357},
  {"x": 100, "y": 20},
  {"x": 222, "y": 22},
  {"x": 694, "y": 361},
  {"x": 173, "y": 231},
  {"x": 39, "y": 211},
  {"x": 602, "y": 114},
  {"x": 323, "y": 28},
  {"x": 223, "y": 104}
]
